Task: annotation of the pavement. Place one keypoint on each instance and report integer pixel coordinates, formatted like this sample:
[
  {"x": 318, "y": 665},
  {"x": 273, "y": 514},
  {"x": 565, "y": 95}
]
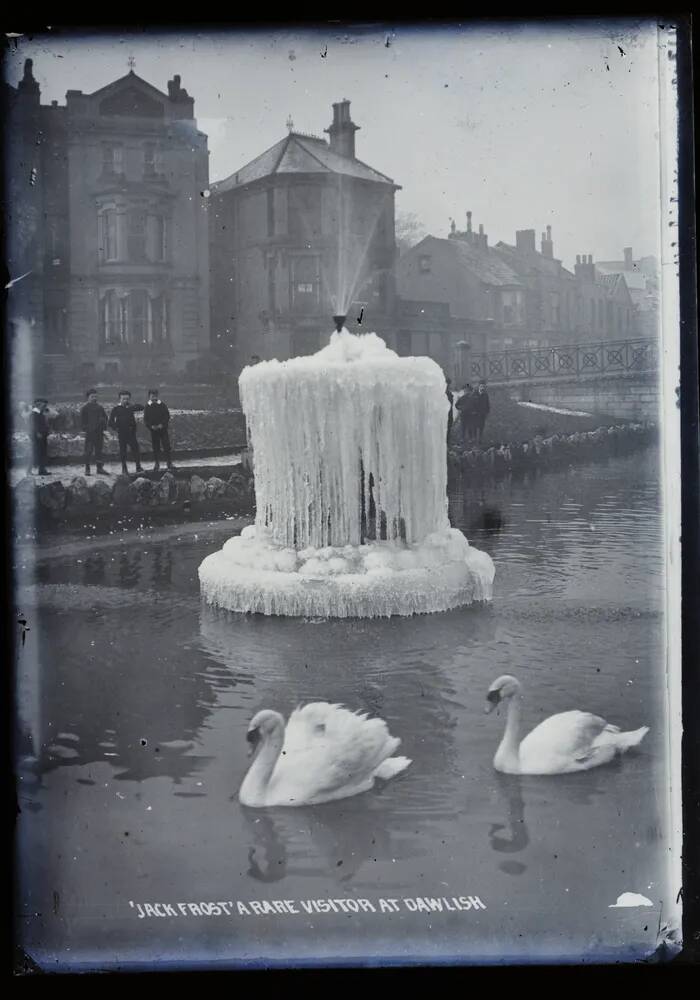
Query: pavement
[{"x": 66, "y": 473}]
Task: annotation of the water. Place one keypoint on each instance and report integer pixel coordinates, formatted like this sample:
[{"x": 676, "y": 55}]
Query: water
[{"x": 145, "y": 696}]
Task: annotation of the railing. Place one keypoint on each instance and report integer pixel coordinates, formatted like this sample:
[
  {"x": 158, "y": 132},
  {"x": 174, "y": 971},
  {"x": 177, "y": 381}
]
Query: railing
[{"x": 572, "y": 361}]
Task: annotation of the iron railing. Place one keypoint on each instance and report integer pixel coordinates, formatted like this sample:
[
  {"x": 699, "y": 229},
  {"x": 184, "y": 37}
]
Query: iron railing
[{"x": 570, "y": 360}]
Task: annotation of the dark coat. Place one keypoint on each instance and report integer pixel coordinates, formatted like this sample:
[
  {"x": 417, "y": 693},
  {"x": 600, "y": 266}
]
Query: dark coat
[
  {"x": 38, "y": 424},
  {"x": 481, "y": 404},
  {"x": 465, "y": 405},
  {"x": 156, "y": 414},
  {"x": 93, "y": 418},
  {"x": 122, "y": 418}
]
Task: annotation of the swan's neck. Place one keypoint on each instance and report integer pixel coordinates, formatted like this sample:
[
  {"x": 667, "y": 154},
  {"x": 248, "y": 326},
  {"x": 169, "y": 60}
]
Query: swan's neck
[
  {"x": 508, "y": 754},
  {"x": 254, "y": 787}
]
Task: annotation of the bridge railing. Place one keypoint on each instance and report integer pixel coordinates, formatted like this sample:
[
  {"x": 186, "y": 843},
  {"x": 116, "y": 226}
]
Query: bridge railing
[{"x": 570, "y": 360}]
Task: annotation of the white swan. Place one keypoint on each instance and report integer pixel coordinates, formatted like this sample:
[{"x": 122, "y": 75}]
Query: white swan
[
  {"x": 324, "y": 753},
  {"x": 569, "y": 741}
]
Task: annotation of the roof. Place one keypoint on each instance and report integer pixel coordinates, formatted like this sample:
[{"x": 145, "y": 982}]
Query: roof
[
  {"x": 611, "y": 282},
  {"x": 482, "y": 261},
  {"x": 523, "y": 263},
  {"x": 300, "y": 154},
  {"x": 633, "y": 279}
]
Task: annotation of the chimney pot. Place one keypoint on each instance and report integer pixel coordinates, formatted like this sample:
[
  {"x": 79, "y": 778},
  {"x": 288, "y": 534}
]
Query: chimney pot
[
  {"x": 342, "y": 131},
  {"x": 629, "y": 261},
  {"x": 549, "y": 232},
  {"x": 469, "y": 222}
]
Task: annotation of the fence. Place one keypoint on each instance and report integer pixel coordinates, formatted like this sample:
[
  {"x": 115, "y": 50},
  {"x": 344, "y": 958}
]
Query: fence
[{"x": 568, "y": 361}]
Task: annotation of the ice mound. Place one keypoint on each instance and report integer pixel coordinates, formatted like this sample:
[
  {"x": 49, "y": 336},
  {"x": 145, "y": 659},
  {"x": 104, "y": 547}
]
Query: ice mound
[
  {"x": 379, "y": 579},
  {"x": 349, "y": 454}
]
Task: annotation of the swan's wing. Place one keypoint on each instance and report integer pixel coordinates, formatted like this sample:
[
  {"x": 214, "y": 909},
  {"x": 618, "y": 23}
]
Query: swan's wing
[
  {"x": 326, "y": 747},
  {"x": 568, "y": 736}
]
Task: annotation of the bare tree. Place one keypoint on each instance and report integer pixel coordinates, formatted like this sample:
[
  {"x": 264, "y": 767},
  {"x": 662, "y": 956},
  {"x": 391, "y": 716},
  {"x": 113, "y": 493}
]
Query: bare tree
[{"x": 409, "y": 231}]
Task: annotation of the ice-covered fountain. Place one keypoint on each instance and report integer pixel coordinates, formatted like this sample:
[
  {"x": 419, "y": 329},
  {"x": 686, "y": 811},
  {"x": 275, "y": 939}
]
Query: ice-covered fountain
[{"x": 349, "y": 452}]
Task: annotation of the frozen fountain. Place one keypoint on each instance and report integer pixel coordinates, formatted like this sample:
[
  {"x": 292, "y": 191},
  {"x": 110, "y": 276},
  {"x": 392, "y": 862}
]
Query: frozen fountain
[{"x": 349, "y": 452}]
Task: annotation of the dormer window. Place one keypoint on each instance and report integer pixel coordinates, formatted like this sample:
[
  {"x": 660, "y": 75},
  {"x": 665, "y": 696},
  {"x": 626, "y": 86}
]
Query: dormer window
[{"x": 112, "y": 158}]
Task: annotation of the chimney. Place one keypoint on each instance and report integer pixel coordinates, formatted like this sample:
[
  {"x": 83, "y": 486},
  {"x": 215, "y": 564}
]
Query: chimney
[
  {"x": 547, "y": 245},
  {"x": 342, "y": 131},
  {"x": 525, "y": 240},
  {"x": 483, "y": 238},
  {"x": 469, "y": 222},
  {"x": 629, "y": 262},
  {"x": 28, "y": 85},
  {"x": 585, "y": 269}
]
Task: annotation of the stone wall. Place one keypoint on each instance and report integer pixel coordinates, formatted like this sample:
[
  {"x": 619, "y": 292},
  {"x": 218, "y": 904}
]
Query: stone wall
[{"x": 627, "y": 397}]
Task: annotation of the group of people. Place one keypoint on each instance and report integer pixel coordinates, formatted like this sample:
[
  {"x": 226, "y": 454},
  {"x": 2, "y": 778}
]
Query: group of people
[
  {"x": 95, "y": 422},
  {"x": 473, "y": 407}
]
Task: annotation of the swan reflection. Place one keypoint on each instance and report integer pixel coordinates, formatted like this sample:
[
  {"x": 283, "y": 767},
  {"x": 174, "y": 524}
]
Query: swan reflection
[{"x": 319, "y": 841}]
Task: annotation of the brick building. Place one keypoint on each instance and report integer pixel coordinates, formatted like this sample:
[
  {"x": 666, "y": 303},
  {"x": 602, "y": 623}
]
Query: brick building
[
  {"x": 107, "y": 216},
  {"x": 459, "y": 297},
  {"x": 302, "y": 232},
  {"x": 643, "y": 280}
]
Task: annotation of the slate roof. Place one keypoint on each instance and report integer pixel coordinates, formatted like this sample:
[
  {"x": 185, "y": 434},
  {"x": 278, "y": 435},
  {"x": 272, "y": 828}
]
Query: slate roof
[
  {"x": 485, "y": 263},
  {"x": 300, "y": 154}
]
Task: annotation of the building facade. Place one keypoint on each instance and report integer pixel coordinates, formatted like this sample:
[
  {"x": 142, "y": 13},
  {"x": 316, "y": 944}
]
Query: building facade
[
  {"x": 458, "y": 297},
  {"x": 643, "y": 280},
  {"x": 303, "y": 232},
  {"x": 117, "y": 233}
]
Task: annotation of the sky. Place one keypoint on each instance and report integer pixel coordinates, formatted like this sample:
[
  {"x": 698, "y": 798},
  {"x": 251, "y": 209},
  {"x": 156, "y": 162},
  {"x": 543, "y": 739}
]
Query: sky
[{"x": 525, "y": 125}]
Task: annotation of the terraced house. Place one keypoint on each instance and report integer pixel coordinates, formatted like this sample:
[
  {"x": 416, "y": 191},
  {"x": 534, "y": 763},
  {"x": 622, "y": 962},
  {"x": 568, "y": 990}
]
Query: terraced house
[{"x": 111, "y": 226}]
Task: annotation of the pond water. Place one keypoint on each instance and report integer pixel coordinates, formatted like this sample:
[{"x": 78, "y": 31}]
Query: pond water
[{"x": 135, "y": 701}]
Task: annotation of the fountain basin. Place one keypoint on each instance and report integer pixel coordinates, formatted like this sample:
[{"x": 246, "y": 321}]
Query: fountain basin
[{"x": 377, "y": 580}]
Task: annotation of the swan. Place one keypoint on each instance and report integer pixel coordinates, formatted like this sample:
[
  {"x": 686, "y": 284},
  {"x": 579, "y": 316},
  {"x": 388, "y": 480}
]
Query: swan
[
  {"x": 325, "y": 752},
  {"x": 569, "y": 741}
]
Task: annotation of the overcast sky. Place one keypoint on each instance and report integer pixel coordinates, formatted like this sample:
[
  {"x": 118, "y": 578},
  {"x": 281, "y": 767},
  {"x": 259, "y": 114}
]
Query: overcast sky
[{"x": 527, "y": 126}]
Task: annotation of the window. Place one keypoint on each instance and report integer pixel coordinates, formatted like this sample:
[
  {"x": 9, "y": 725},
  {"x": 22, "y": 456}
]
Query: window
[
  {"x": 151, "y": 159},
  {"x": 304, "y": 213},
  {"x": 425, "y": 263},
  {"x": 138, "y": 317},
  {"x": 554, "y": 309},
  {"x": 512, "y": 304},
  {"x": 109, "y": 234},
  {"x": 305, "y": 284},
  {"x": 159, "y": 230},
  {"x": 113, "y": 326},
  {"x": 112, "y": 158},
  {"x": 158, "y": 327},
  {"x": 136, "y": 235}
]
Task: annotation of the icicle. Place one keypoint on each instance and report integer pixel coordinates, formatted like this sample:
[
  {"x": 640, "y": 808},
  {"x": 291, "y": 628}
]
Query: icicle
[{"x": 349, "y": 440}]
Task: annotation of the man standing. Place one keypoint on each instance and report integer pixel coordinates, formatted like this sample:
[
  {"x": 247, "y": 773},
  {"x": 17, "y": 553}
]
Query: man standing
[
  {"x": 122, "y": 419},
  {"x": 481, "y": 410},
  {"x": 465, "y": 405},
  {"x": 93, "y": 420},
  {"x": 38, "y": 437},
  {"x": 157, "y": 417},
  {"x": 450, "y": 401}
]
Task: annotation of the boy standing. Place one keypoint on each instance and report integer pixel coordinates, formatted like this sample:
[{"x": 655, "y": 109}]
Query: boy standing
[
  {"x": 38, "y": 437},
  {"x": 93, "y": 420},
  {"x": 157, "y": 417},
  {"x": 122, "y": 419}
]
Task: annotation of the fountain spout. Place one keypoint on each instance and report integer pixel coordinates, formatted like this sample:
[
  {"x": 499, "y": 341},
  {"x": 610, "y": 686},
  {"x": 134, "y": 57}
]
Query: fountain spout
[{"x": 339, "y": 322}]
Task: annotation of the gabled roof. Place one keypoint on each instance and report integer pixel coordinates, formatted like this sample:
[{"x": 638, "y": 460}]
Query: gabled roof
[
  {"x": 482, "y": 261},
  {"x": 130, "y": 79},
  {"x": 300, "y": 154},
  {"x": 612, "y": 282}
]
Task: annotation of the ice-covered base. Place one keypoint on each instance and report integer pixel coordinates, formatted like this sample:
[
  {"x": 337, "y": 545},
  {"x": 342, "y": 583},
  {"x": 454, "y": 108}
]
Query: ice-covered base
[{"x": 252, "y": 574}]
